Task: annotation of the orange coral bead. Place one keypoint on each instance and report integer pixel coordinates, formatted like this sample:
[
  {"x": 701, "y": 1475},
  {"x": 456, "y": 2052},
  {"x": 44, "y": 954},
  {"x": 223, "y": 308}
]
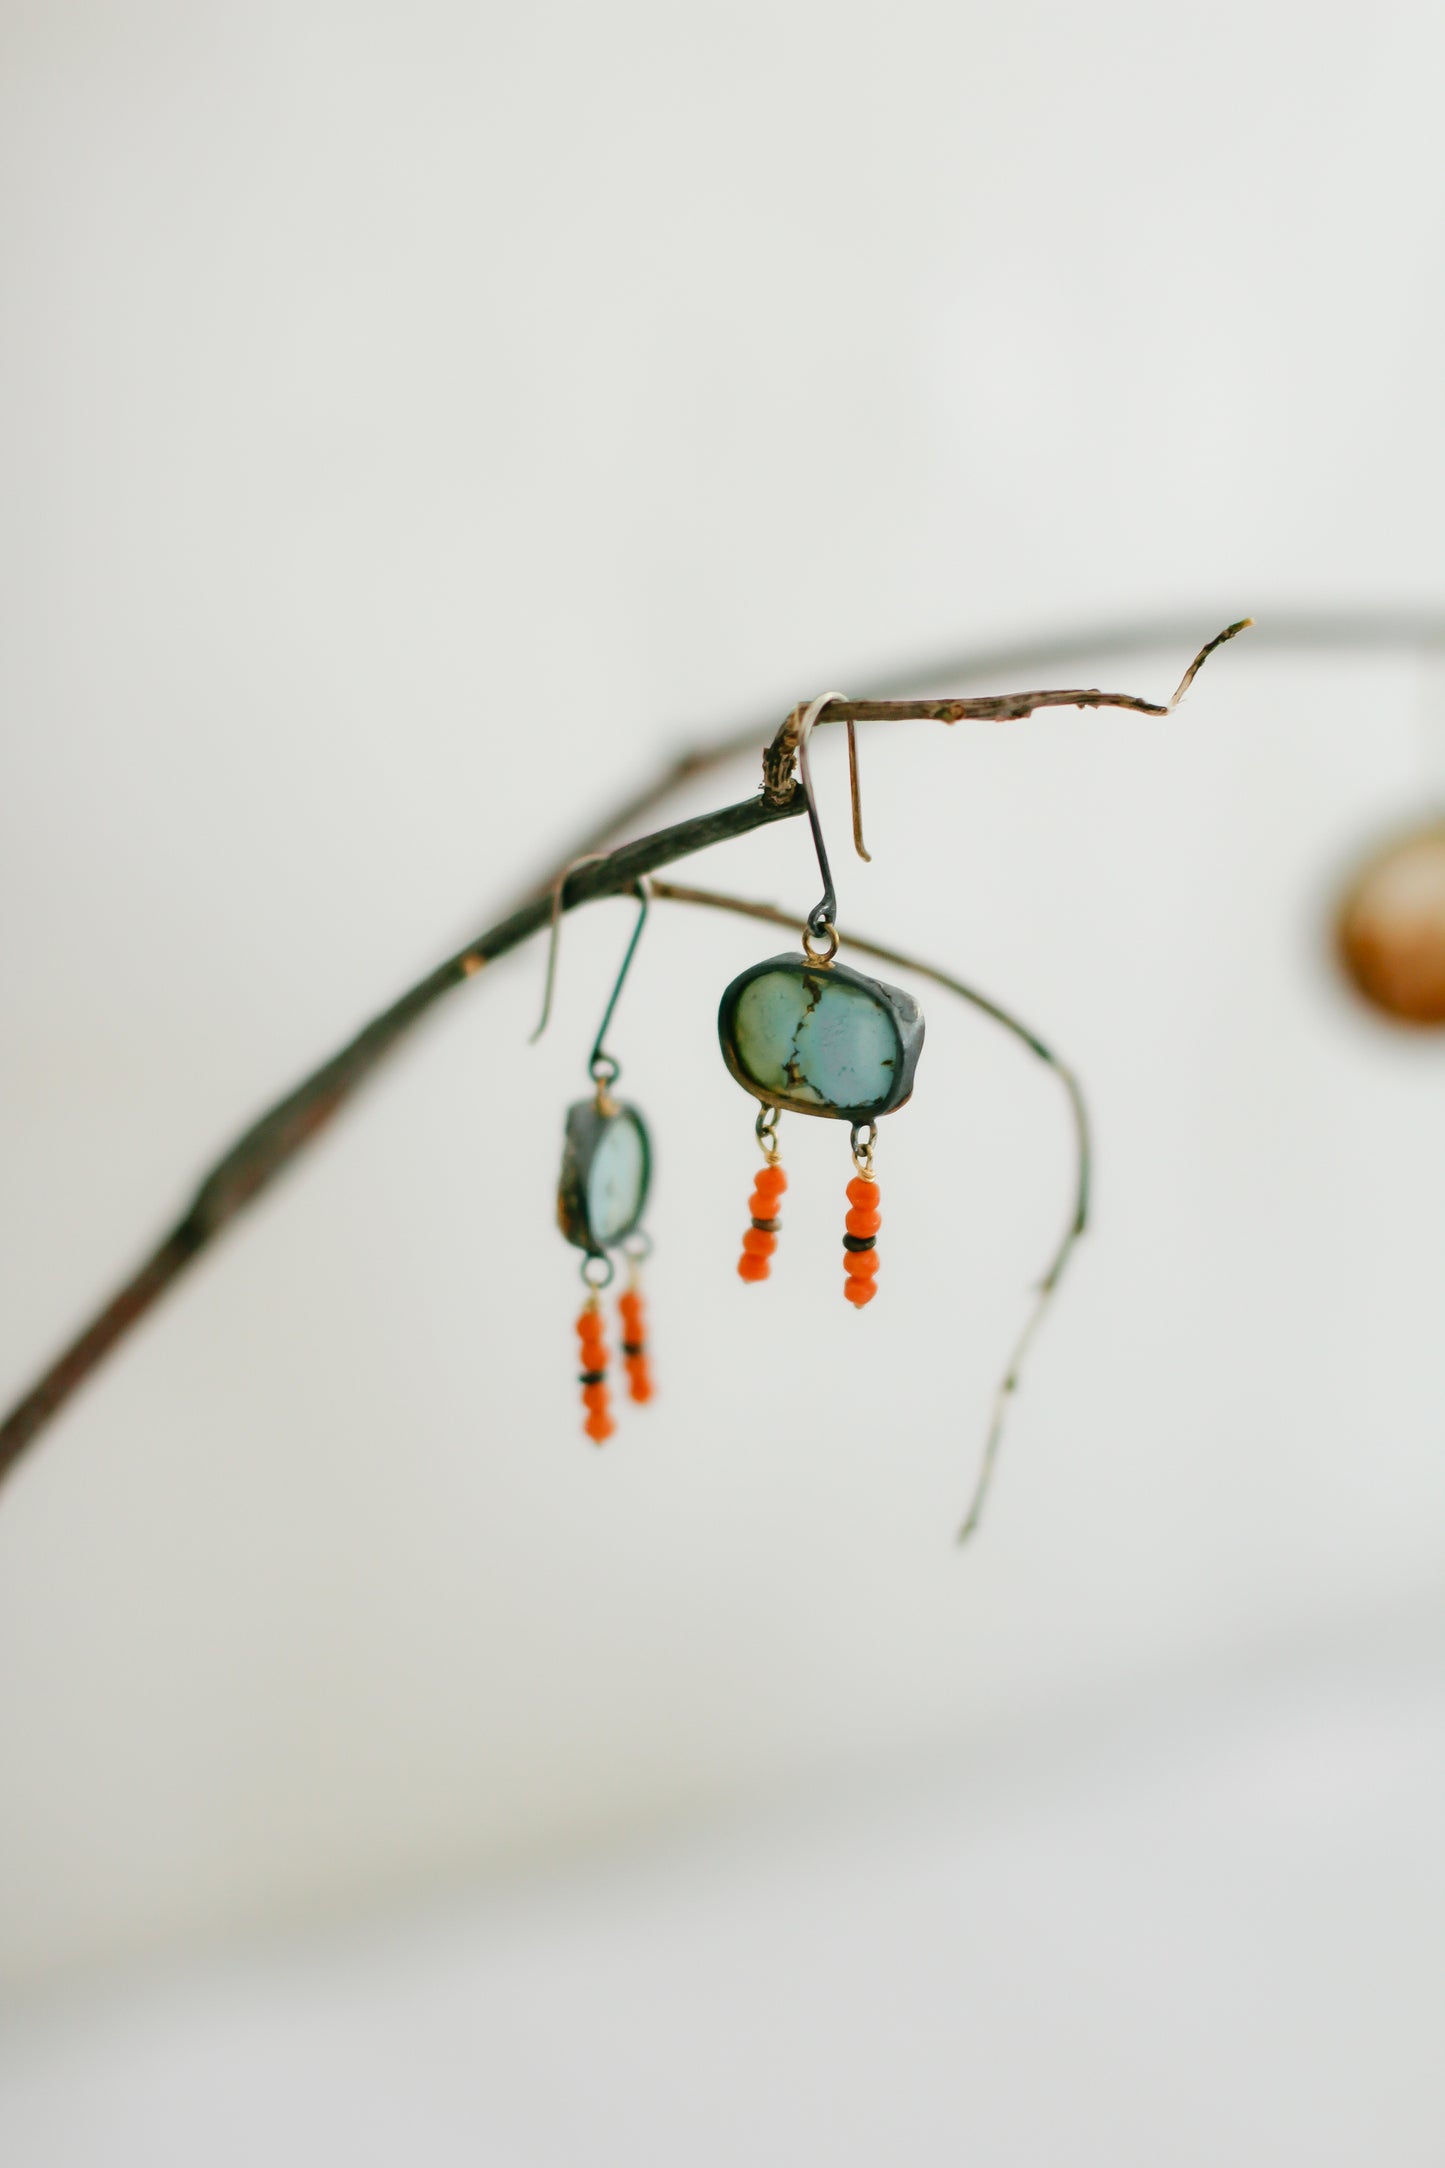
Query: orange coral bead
[
  {"x": 771, "y": 1181},
  {"x": 859, "y": 1222},
  {"x": 629, "y": 1309},
  {"x": 758, "y": 1243},
  {"x": 599, "y": 1425},
  {"x": 860, "y": 1264},
  {"x": 761, "y": 1207},
  {"x": 639, "y": 1378},
  {"x": 595, "y": 1397},
  {"x": 863, "y": 1192},
  {"x": 753, "y": 1267},
  {"x": 859, "y": 1291}
]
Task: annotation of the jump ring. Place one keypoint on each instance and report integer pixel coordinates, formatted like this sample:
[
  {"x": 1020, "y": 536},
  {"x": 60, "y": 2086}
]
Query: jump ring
[{"x": 814, "y": 954}]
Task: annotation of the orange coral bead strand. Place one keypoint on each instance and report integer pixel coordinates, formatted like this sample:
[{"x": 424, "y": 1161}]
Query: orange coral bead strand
[
  {"x": 596, "y": 1399},
  {"x": 634, "y": 1344},
  {"x": 761, "y": 1239},
  {"x": 860, "y": 1254}
]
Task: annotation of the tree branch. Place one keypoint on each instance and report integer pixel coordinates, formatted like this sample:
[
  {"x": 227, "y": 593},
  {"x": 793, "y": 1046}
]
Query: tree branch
[
  {"x": 780, "y": 757},
  {"x": 270, "y": 1144},
  {"x": 253, "y": 1162},
  {"x": 1284, "y": 631}
]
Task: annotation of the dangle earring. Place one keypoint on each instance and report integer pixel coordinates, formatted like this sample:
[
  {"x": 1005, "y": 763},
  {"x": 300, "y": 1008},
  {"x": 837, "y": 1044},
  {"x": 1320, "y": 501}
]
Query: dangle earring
[
  {"x": 806, "y": 1035},
  {"x": 601, "y": 1197}
]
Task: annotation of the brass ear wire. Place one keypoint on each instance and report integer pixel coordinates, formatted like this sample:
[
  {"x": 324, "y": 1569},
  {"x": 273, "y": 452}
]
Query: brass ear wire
[
  {"x": 855, "y": 794},
  {"x": 554, "y": 933}
]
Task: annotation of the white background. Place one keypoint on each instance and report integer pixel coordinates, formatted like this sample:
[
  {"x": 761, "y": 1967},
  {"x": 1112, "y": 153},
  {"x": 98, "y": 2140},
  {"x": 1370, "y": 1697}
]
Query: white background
[{"x": 421, "y": 423}]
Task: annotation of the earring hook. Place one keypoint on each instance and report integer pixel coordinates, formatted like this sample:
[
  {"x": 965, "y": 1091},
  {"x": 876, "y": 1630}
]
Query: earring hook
[
  {"x": 602, "y": 1067},
  {"x": 855, "y": 795},
  {"x": 554, "y": 936},
  {"x": 820, "y": 918}
]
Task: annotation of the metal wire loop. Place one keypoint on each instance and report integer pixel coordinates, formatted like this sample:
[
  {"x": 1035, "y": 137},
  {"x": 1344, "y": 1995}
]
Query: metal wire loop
[
  {"x": 589, "y": 1270},
  {"x": 589, "y": 858},
  {"x": 643, "y": 893},
  {"x": 597, "y": 1057},
  {"x": 821, "y": 917},
  {"x": 863, "y": 1136},
  {"x": 825, "y": 910}
]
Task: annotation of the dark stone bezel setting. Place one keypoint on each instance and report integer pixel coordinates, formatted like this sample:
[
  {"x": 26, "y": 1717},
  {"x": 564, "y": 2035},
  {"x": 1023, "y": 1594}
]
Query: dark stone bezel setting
[
  {"x": 900, "y": 1007},
  {"x": 588, "y": 1125}
]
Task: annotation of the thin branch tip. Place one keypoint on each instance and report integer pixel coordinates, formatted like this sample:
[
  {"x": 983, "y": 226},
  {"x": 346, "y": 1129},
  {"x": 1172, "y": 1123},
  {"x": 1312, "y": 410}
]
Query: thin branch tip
[{"x": 1241, "y": 624}]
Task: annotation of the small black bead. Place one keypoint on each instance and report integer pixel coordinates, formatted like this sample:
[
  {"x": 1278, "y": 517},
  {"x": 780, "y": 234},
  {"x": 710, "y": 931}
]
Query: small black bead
[
  {"x": 767, "y": 1227},
  {"x": 634, "y": 1347},
  {"x": 592, "y": 1377},
  {"x": 860, "y": 1242}
]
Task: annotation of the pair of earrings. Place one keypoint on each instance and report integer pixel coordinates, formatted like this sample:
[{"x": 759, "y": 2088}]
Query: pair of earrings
[{"x": 802, "y": 1034}]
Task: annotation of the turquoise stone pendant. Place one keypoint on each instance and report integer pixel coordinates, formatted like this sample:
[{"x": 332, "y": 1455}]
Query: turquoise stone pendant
[
  {"x": 818, "y": 1038},
  {"x": 606, "y": 1170}
]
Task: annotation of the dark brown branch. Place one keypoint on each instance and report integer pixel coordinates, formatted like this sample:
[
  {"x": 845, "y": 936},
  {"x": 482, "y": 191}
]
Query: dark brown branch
[
  {"x": 1044, "y": 1292},
  {"x": 1283, "y": 631},
  {"x": 779, "y": 759},
  {"x": 255, "y": 1159}
]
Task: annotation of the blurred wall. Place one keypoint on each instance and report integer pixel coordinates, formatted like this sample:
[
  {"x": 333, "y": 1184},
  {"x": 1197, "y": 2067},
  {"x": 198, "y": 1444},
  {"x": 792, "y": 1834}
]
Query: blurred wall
[{"x": 420, "y": 423}]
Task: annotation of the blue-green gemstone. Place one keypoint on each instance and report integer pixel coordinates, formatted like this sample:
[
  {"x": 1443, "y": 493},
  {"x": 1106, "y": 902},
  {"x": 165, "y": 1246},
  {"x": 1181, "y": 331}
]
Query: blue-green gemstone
[
  {"x": 606, "y": 1171},
  {"x": 820, "y": 1039},
  {"x": 617, "y": 1180}
]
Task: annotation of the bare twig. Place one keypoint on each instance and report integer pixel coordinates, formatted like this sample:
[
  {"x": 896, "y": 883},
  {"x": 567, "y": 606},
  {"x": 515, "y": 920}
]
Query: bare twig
[
  {"x": 1286, "y": 631},
  {"x": 778, "y": 761},
  {"x": 255, "y": 1160},
  {"x": 671, "y": 892}
]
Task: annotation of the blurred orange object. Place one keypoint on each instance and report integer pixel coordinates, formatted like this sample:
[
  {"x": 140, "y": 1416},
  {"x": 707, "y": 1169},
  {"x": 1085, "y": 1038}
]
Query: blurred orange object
[{"x": 1391, "y": 927}]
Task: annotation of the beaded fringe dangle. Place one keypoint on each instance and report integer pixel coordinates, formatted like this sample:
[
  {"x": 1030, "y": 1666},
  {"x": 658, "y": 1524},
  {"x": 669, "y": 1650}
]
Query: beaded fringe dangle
[
  {"x": 633, "y": 1318},
  {"x": 761, "y": 1239},
  {"x": 860, "y": 1239},
  {"x": 592, "y": 1333}
]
